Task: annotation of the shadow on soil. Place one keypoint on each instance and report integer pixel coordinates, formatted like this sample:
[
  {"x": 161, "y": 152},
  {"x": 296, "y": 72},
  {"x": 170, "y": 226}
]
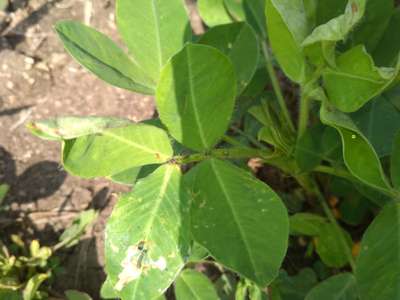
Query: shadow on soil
[{"x": 82, "y": 270}]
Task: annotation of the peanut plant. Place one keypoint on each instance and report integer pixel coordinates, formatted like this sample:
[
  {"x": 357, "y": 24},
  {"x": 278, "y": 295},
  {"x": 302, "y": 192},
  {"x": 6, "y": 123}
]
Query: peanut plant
[{"x": 222, "y": 100}]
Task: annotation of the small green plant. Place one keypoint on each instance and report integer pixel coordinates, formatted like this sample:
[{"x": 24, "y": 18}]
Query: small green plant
[
  {"x": 220, "y": 103},
  {"x": 24, "y": 269}
]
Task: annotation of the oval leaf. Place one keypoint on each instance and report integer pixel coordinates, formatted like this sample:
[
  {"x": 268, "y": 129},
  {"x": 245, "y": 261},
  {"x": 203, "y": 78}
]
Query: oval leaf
[
  {"x": 115, "y": 150},
  {"x": 103, "y": 57},
  {"x": 287, "y": 28},
  {"x": 378, "y": 265},
  {"x": 195, "y": 96},
  {"x": 239, "y": 219},
  {"x": 147, "y": 236},
  {"x": 338, "y": 287},
  {"x": 195, "y": 286},
  {"x": 359, "y": 156},
  {"x": 154, "y": 30},
  {"x": 239, "y": 42}
]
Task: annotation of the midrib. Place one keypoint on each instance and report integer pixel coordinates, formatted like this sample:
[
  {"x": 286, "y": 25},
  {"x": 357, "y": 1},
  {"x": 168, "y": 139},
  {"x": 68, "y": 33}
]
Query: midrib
[
  {"x": 193, "y": 100},
  {"x": 133, "y": 144},
  {"x": 235, "y": 218},
  {"x": 157, "y": 33},
  {"x": 157, "y": 204}
]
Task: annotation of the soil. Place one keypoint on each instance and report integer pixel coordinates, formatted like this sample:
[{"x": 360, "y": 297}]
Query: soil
[{"x": 39, "y": 80}]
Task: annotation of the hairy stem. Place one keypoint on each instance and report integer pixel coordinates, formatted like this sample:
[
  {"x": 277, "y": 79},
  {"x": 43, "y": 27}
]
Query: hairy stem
[{"x": 276, "y": 86}]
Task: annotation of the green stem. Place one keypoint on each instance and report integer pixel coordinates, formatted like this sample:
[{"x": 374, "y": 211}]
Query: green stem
[
  {"x": 342, "y": 173},
  {"x": 276, "y": 86},
  {"x": 226, "y": 153},
  {"x": 303, "y": 115},
  {"x": 232, "y": 141}
]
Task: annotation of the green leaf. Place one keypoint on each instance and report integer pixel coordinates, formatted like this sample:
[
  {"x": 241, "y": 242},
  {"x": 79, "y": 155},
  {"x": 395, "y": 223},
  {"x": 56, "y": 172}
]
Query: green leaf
[
  {"x": 75, "y": 295},
  {"x": 294, "y": 287},
  {"x": 395, "y": 163},
  {"x": 195, "y": 286},
  {"x": 338, "y": 287},
  {"x": 147, "y": 236},
  {"x": 130, "y": 176},
  {"x": 359, "y": 156},
  {"x": 354, "y": 209},
  {"x": 74, "y": 232},
  {"x": 66, "y": 128},
  {"x": 318, "y": 143},
  {"x": 239, "y": 219},
  {"x": 338, "y": 28},
  {"x": 103, "y": 57},
  {"x": 197, "y": 253},
  {"x": 213, "y": 12},
  {"x": 153, "y": 30},
  {"x": 373, "y": 25},
  {"x": 356, "y": 80},
  {"x": 328, "y": 9},
  {"x": 107, "y": 290},
  {"x": 10, "y": 295},
  {"x": 33, "y": 285},
  {"x": 329, "y": 248},
  {"x": 3, "y": 192},
  {"x": 115, "y": 150},
  {"x": 379, "y": 121},
  {"x": 235, "y": 9},
  {"x": 196, "y": 95},
  {"x": 306, "y": 224},
  {"x": 287, "y": 28},
  {"x": 254, "y": 11},
  {"x": 387, "y": 50},
  {"x": 378, "y": 265},
  {"x": 239, "y": 42}
]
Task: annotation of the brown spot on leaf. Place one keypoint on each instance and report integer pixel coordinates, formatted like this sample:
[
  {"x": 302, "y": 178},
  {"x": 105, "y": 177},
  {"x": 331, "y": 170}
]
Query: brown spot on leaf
[{"x": 354, "y": 8}]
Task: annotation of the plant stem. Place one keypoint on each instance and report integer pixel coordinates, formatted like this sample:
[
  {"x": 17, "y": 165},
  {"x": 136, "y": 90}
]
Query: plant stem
[
  {"x": 342, "y": 173},
  {"x": 276, "y": 86},
  {"x": 303, "y": 115},
  {"x": 226, "y": 153}
]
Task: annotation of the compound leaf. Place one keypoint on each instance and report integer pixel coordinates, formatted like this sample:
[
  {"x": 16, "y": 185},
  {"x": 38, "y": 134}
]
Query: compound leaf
[
  {"x": 154, "y": 30},
  {"x": 378, "y": 265},
  {"x": 240, "y": 220},
  {"x": 239, "y": 42},
  {"x": 196, "y": 95},
  {"x": 115, "y": 150},
  {"x": 338, "y": 287},
  {"x": 287, "y": 28},
  {"x": 194, "y": 285},
  {"x": 147, "y": 236},
  {"x": 103, "y": 57}
]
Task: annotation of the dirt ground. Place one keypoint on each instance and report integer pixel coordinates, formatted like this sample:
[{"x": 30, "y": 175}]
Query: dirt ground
[{"x": 39, "y": 80}]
